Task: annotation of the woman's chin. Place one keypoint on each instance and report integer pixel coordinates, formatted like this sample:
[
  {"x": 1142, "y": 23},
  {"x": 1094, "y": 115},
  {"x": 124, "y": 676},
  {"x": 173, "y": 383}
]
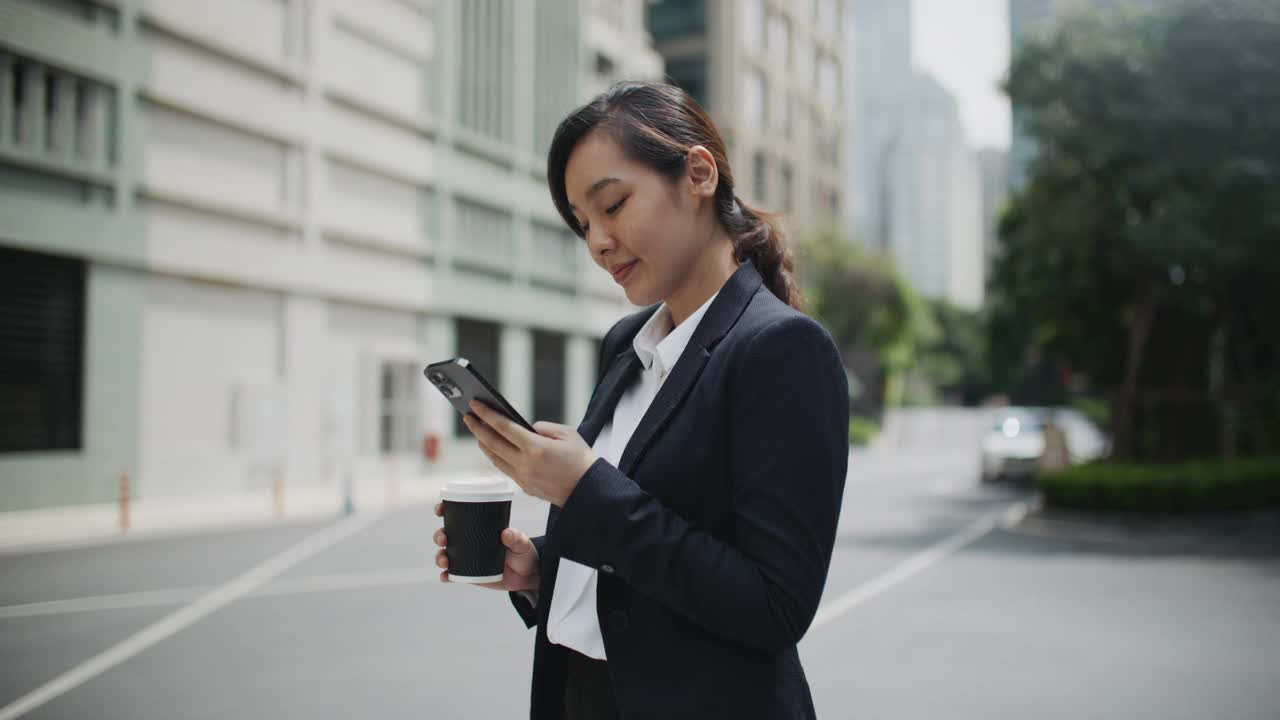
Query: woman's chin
[{"x": 638, "y": 297}]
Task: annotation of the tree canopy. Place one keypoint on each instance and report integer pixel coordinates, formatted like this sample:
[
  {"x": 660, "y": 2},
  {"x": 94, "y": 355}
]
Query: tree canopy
[{"x": 1143, "y": 252}]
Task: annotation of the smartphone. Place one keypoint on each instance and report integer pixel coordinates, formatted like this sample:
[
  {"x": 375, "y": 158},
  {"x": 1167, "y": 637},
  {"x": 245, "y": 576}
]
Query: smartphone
[{"x": 460, "y": 382}]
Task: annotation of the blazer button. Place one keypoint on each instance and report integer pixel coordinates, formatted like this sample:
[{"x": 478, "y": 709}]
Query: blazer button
[
  {"x": 607, "y": 569},
  {"x": 618, "y": 621}
]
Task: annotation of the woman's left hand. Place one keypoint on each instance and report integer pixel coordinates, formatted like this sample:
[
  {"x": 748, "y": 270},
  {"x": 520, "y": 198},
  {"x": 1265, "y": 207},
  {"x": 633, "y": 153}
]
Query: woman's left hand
[{"x": 546, "y": 464}]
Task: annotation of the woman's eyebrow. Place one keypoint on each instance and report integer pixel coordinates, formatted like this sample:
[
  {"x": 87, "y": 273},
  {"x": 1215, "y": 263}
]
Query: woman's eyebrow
[{"x": 596, "y": 187}]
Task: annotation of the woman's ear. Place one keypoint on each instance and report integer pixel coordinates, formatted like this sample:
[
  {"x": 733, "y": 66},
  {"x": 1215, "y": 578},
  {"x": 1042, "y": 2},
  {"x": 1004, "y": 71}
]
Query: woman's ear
[{"x": 701, "y": 170}]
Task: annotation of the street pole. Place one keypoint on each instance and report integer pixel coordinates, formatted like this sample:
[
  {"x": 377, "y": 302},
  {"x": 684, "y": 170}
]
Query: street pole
[{"x": 348, "y": 491}]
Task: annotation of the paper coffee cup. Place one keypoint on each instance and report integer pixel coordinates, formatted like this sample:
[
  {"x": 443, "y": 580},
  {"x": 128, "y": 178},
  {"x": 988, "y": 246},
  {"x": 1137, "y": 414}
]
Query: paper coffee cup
[{"x": 476, "y": 511}]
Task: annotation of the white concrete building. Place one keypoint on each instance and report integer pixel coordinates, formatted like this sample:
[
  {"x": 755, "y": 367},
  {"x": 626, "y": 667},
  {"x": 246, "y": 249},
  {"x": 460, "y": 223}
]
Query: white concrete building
[
  {"x": 770, "y": 73},
  {"x": 232, "y": 234}
]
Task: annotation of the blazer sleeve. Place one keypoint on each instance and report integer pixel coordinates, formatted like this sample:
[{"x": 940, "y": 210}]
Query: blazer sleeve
[{"x": 789, "y": 418}]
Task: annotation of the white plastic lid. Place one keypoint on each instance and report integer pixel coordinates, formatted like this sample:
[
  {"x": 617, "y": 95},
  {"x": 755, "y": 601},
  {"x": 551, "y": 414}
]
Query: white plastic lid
[{"x": 488, "y": 489}]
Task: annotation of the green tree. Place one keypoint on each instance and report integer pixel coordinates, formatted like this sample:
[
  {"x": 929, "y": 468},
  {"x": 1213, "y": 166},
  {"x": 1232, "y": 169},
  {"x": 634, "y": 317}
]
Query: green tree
[
  {"x": 1144, "y": 248},
  {"x": 874, "y": 316},
  {"x": 953, "y": 362}
]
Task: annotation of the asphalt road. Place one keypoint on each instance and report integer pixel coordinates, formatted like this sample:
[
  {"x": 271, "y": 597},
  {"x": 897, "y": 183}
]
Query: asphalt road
[{"x": 941, "y": 603}]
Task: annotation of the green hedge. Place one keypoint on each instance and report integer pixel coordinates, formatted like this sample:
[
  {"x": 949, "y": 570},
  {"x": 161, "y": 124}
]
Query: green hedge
[
  {"x": 861, "y": 430},
  {"x": 1198, "y": 486}
]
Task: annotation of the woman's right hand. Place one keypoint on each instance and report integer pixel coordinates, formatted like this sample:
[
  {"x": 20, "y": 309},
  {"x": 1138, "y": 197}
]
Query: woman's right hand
[{"x": 519, "y": 572}]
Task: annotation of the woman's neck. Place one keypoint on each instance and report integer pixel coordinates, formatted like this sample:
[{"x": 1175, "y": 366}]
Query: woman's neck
[{"x": 709, "y": 273}]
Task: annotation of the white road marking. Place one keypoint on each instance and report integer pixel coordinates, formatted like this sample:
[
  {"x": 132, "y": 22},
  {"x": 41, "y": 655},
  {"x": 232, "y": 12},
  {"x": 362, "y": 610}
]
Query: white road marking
[
  {"x": 95, "y": 603},
  {"x": 349, "y": 581},
  {"x": 916, "y": 564},
  {"x": 188, "y": 615},
  {"x": 176, "y": 596}
]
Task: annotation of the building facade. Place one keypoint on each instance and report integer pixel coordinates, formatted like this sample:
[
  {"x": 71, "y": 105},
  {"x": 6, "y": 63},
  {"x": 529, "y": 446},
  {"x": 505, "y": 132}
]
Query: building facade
[
  {"x": 915, "y": 183},
  {"x": 994, "y": 165},
  {"x": 234, "y": 233},
  {"x": 770, "y": 73}
]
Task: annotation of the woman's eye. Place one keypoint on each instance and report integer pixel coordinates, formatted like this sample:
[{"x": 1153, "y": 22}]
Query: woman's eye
[{"x": 607, "y": 211}]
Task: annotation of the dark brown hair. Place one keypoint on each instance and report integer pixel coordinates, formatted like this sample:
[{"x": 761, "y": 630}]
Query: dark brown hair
[{"x": 656, "y": 124}]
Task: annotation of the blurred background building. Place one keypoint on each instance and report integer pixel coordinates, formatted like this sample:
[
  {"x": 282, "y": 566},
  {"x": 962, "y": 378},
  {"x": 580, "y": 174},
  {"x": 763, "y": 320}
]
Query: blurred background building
[
  {"x": 235, "y": 232},
  {"x": 993, "y": 163},
  {"x": 770, "y": 73},
  {"x": 915, "y": 179}
]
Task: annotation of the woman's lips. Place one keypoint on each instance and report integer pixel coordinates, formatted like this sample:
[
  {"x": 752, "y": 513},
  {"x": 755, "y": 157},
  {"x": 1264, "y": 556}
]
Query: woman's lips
[{"x": 620, "y": 273}]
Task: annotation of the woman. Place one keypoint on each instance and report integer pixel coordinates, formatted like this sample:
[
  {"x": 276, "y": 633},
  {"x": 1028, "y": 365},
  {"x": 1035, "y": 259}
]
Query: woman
[{"x": 693, "y": 512}]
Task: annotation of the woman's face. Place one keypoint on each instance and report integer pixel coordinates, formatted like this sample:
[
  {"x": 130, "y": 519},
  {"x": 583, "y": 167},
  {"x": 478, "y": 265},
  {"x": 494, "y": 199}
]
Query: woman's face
[{"x": 639, "y": 226}]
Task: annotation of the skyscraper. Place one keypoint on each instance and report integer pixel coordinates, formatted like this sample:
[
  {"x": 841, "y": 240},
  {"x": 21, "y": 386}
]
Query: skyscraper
[{"x": 914, "y": 179}]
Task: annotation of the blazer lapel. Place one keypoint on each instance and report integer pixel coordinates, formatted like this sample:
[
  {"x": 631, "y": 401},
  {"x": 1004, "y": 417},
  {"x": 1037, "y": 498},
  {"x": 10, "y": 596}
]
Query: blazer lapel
[
  {"x": 719, "y": 318},
  {"x": 600, "y": 409}
]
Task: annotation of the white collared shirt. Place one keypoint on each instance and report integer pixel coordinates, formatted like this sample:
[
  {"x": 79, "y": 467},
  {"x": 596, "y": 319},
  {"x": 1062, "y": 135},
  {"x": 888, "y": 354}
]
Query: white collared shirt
[{"x": 573, "y": 621}]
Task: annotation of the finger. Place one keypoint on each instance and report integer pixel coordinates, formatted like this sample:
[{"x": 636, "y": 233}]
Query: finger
[
  {"x": 488, "y": 436},
  {"x": 517, "y": 542},
  {"x": 505, "y": 467},
  {"x": 550, "y": 429},
  {"x": 439, "y": 509},
  {"x": 444, "y": 576},
  {"x": 442, "y": 560},
  {"x": 493, "y": 456},
  {"x": 510, "y": 431},
  {"x": 440, "y": 538}
]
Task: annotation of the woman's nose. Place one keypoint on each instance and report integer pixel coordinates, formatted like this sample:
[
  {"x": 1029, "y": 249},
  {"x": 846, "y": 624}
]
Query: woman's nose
[{"x": 600, "y": 242}]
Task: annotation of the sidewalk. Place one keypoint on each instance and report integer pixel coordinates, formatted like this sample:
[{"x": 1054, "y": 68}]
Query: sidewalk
[{"x": 79, "y": 525}]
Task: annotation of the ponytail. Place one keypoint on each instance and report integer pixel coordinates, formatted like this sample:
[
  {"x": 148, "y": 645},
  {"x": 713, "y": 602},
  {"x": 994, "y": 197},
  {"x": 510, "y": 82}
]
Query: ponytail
[{"x": 758, "y": 237}]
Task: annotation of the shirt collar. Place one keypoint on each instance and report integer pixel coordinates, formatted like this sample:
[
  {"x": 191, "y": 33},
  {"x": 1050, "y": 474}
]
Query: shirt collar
[{"x": 661, "y": 344}]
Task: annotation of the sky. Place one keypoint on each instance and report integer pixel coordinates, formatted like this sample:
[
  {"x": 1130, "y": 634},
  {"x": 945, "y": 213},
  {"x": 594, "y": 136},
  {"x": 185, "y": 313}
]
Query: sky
[{"x": 965, "y": 45}]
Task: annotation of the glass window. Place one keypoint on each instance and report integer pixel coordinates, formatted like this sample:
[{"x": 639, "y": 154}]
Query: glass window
[
  {"x": 782, "y": 113},
  {"x": 548, "y": 377},
  {"x": 398, "y": 425},
  {"x": 828, "y": 16},
  {"x": 690, "y": 74},
  {"x": 604, "y": 66},
  {"x": 756, "y": 100},
  {"x": 828, "y": 80},
  {"x": 676, "y": 18},
  {"x": 780, "y": 41},
  {"x": 784, "y": 181},
  {"x": 759, "y": 170},
  {"x": 753, "y": 24},
  {"x": 478, "y": 343},
  {"x": 42, "y": 319},
  {"x": 804, "y": 59}
]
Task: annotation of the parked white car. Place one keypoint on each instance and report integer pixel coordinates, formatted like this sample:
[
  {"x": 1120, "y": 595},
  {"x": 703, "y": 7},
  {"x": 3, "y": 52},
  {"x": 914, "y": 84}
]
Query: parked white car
[{"x": 1014, "y": 442}]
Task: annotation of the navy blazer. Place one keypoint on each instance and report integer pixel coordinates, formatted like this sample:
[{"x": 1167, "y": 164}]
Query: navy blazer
[{"x": 714, "y": 535}]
